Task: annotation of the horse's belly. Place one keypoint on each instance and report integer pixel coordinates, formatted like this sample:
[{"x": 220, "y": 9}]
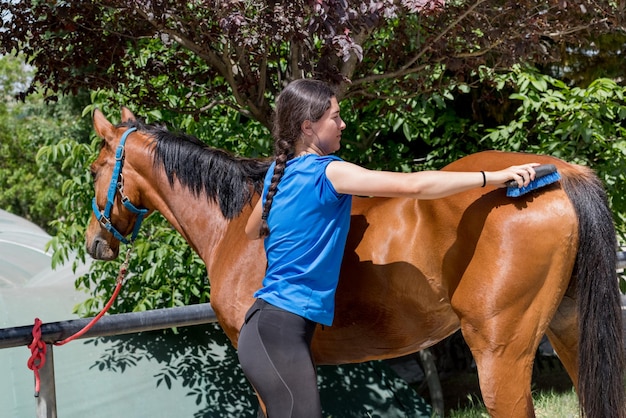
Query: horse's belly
[{"x": 393, "y": 332}]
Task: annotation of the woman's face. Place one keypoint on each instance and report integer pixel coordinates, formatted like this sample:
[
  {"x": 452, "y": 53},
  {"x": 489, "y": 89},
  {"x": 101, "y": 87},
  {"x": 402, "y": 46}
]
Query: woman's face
[{"x": 327, "y": 130}]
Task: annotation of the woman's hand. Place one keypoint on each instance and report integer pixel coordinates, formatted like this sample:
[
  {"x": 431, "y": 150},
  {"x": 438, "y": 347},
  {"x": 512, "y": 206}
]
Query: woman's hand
[{"x": 521, "y": 174}]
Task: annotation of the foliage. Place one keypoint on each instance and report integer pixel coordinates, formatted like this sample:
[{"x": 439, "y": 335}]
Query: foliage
[
  {"x": 242, "y": 52},
  {"x": 223, "y": 127},
  {"x": 408, "y": 134},
  {"x": 31, "y": 183},
  {"x": 581, "y": 125}
]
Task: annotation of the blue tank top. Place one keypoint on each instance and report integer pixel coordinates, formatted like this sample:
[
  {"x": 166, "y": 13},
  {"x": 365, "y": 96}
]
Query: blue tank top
[{"x": 308, "y": 224}]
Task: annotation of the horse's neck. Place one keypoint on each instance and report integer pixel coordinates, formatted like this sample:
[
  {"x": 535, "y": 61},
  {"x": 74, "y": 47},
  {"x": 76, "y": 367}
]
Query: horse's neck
[
  {"x": 235, "y": 264},
  {"x": 198, "y": 219}
]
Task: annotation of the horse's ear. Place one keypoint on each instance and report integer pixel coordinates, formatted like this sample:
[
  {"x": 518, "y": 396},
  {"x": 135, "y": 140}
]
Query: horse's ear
[
  {"x": 103, "y": 127},
  {"x": 127, "y": 115}
]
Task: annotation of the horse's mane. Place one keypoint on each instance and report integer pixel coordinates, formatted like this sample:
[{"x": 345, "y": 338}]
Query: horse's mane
[{"x": 228, "y": 180}]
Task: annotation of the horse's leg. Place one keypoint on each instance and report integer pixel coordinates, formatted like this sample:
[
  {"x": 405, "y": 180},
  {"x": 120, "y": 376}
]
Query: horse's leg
[
  {"x": 504, "y": 315},
  {"x": 504, "y": 364},
  {"x": 563, "y": 335}
]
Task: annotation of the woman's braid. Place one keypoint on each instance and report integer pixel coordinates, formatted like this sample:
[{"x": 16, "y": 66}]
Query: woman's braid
[{"x": 283, "y": 152}]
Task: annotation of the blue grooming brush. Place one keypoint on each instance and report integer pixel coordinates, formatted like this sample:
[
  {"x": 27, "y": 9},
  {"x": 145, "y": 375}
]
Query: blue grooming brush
[{"x": 544, "y": 174}]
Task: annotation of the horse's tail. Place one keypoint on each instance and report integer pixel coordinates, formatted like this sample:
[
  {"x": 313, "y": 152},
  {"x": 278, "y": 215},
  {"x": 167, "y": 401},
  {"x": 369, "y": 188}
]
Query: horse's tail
[{"x": 600, "y": 350}]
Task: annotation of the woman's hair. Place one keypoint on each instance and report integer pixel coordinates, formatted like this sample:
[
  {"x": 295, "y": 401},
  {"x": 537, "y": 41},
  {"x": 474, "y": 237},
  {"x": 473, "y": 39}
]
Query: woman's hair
[{"x": 301, "y": 100}]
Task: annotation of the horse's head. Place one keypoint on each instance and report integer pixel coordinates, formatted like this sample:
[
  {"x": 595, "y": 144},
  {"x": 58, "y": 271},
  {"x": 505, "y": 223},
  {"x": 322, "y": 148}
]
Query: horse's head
[{"x": 117, "y": 210}]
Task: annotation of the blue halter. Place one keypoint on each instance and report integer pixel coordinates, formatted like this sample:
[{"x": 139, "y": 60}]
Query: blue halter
[{"x": 117, "y": 184}]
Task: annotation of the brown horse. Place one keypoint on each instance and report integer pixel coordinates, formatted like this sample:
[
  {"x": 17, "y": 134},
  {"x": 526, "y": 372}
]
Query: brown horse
[{"x": 503, "y": 270}]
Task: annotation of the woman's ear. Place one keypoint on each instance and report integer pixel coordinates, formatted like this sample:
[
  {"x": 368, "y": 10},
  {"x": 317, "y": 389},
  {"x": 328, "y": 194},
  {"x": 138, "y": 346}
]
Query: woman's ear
[{"x": 307, "y": 128}]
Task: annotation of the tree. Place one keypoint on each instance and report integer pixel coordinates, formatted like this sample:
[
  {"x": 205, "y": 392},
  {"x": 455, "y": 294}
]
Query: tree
[
  {"x": 242, "y": 52},
  {"x": 30, "y": 186}
]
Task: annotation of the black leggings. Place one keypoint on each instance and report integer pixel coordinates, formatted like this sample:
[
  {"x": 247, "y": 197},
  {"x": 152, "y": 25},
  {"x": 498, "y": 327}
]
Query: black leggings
[{"x": 275, "y": 354}]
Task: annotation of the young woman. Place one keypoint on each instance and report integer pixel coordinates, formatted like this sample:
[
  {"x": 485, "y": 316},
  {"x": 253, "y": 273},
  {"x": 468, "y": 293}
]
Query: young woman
[{"x": 304, "y": 216}]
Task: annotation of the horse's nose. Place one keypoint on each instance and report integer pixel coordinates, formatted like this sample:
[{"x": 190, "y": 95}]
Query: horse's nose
[{"x": 99, "y": 249}]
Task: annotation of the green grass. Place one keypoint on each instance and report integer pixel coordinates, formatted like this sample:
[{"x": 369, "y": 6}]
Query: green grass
[
  {"x": 548, "y": 404},
  {"x": 557, "y": 405}
]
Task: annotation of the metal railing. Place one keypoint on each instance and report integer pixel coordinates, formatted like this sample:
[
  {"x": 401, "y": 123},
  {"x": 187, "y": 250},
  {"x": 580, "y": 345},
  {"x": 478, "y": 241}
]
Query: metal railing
[{"x": 108, "y": 325}]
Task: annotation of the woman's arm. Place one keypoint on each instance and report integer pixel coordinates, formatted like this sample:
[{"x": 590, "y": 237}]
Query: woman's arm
[
  {"x": 254, "y": 221},
  {"x": 348, "y": 178}
]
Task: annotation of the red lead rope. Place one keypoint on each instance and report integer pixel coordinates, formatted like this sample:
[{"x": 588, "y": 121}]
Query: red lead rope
[
  {"x": 38, "y": 347},
  {"x": 37, "y": 354}
]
